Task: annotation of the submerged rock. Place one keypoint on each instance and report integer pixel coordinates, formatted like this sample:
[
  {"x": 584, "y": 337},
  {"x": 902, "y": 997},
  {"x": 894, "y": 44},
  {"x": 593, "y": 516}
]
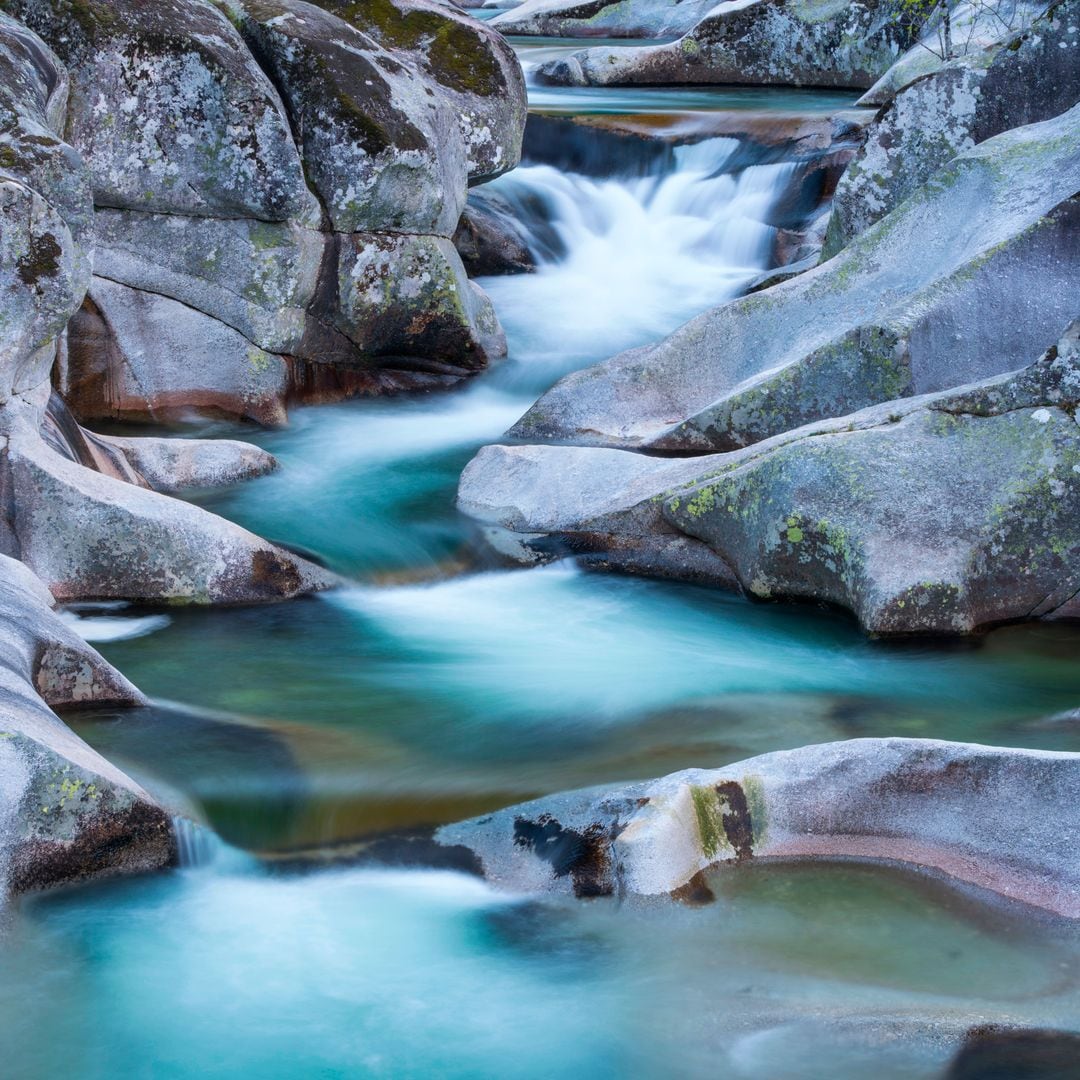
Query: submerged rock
[
  {"x": 1034, "y": 77},
  {"x": 66, "y": 814},
  {"x": 936, "y": 514},
  {"x": 763, "y": 42},
  {"x": 999, "y": 819},
  {"x": 993, "y": 1052},
  {"x": 970, "y": 277}
]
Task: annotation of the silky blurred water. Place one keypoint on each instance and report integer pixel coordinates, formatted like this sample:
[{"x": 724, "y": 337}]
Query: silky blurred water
[
  {"x": 229, "y": 970},
  {"x": 436, "y": 687}
]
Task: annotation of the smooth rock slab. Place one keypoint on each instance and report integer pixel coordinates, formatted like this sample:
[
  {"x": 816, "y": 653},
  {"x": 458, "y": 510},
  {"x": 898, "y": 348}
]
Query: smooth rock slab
[
  {"x": 257, "y": 277},
  {"x": 90, "y": 536},
  {"x": 177, "y": 465},
  {"x": 970, "y": 277},
  {"x": 1005, "y": 820},
  {"x": 136, "y": 355},
  {"x": 936, "y": 514}
]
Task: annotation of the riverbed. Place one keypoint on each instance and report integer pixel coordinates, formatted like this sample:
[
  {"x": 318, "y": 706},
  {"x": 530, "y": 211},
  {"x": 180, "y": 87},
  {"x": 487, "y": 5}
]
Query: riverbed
[{"x": 439, "y": 685}]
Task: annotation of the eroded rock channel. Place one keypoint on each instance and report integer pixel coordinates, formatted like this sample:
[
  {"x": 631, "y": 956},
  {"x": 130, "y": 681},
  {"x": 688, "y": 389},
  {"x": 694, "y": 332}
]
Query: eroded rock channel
[{"x": 402, "y": 425}]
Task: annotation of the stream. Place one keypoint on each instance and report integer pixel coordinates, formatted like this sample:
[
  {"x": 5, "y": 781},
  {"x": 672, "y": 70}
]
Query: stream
[{"x": 439, "y": 686}]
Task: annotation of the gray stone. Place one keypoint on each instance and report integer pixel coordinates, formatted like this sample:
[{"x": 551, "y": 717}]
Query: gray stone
[
  {"x": 66, "y": 814},
  {"x": 43, "y": 275},
  {"x": 776, "y": 42},
  {"x": 969, "y": 277},
  {"x": 938, "y": 514},
  {"x": 1004, "y": 820},
  {"x": 255, "y": 276},
  {"x": 170, "y": 110},
  {"x": 1035, "y": 77},
  {"x": 977, "y": 28},
  {"x": 439, "y": 321},
  {"x": 90, "y": 536},
  {"x": 464, "y": 61},
  {"x": 176, "y": 465},
  {"x": 33, "y": 111},
  {"x": 602, "y": 18},
  {"x": 490, "y": 240},
  {"x": 137, "y": 355},
  {"x": 382, "y": 150}
]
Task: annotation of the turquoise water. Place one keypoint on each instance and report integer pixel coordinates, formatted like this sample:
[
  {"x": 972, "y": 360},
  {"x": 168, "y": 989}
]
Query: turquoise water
[
  {"x": 437, "y": 686},
  {"x": 231, "y": 971}
]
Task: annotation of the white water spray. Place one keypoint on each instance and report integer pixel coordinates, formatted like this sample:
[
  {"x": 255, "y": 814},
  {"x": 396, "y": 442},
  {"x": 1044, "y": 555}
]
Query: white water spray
[{"x": 638, "y": 256}]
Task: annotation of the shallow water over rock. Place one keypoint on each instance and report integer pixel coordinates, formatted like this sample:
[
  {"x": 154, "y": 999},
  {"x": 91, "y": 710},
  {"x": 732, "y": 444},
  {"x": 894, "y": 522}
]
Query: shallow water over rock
[{"x": 228, "y": 970}]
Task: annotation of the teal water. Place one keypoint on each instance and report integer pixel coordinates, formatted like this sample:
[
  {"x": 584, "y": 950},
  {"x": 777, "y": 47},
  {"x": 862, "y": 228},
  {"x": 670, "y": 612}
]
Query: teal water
[
  {"x": 438, "y": 686},
  {"x": 231, "y": 971}
]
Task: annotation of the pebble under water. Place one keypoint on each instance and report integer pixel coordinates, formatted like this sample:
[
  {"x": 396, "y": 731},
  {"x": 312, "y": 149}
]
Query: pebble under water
[{"x": 437, "y": 687}]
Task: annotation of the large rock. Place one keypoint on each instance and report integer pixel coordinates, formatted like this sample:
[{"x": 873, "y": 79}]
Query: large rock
[
  {"x": 133, "y": 355},
  {"x": 1000, "y": 819},
  {"x": 33, "y": 109},
  {"x": 970, "y": 277},
  {"x": 464, "y": 61},
  {"x": 45, "y": 210},
  {"x": 490, "y": 239},
  {"x": 776, "y": 42},
  {"x": 66, "y": 814},
  {"x": 43, "y": 275},
  {"x": 938, "y": 514},
  {"x": 236, "y": 309},
  {"x": 257, "y": 277},
  {"x": 91, "y": 536},
  {"x": 1034, "y": 78},
  {"x": 438, "y": 321},
  {"x": 170, "y": 109},
  {"x": 976, "y": 30},
  {"x": 382, "y": 150},
  {"x": 602, "y": 18}
]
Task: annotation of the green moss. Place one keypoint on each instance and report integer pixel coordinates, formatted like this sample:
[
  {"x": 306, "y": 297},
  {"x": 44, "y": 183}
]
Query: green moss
[
  {"x": 458, "y": 55},
  {"x": 754, "y": 789},
  {"x": 710, "y": 823}
]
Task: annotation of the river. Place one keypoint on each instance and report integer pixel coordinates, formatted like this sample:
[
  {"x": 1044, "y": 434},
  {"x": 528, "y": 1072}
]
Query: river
[{"x": 438, "y": 686}]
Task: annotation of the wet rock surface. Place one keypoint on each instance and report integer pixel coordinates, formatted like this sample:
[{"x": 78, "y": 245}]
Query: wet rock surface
[
  {"x": 985, "y": 816},
  {"x": 940, "y": 292},
  {"x": 936, "y": 514}
]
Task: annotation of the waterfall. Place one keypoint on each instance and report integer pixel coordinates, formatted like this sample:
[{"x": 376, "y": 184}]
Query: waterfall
[
  {"x": 196, "y": 845},
  {"x": 624, "y": 260}
]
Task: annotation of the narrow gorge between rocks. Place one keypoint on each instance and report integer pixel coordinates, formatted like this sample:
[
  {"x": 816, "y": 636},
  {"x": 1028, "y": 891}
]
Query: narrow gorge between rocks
[{"x": 308, "y": 748}]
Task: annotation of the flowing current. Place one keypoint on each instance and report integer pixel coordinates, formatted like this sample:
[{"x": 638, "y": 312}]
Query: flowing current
[{"x": 437, "y": 688}]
